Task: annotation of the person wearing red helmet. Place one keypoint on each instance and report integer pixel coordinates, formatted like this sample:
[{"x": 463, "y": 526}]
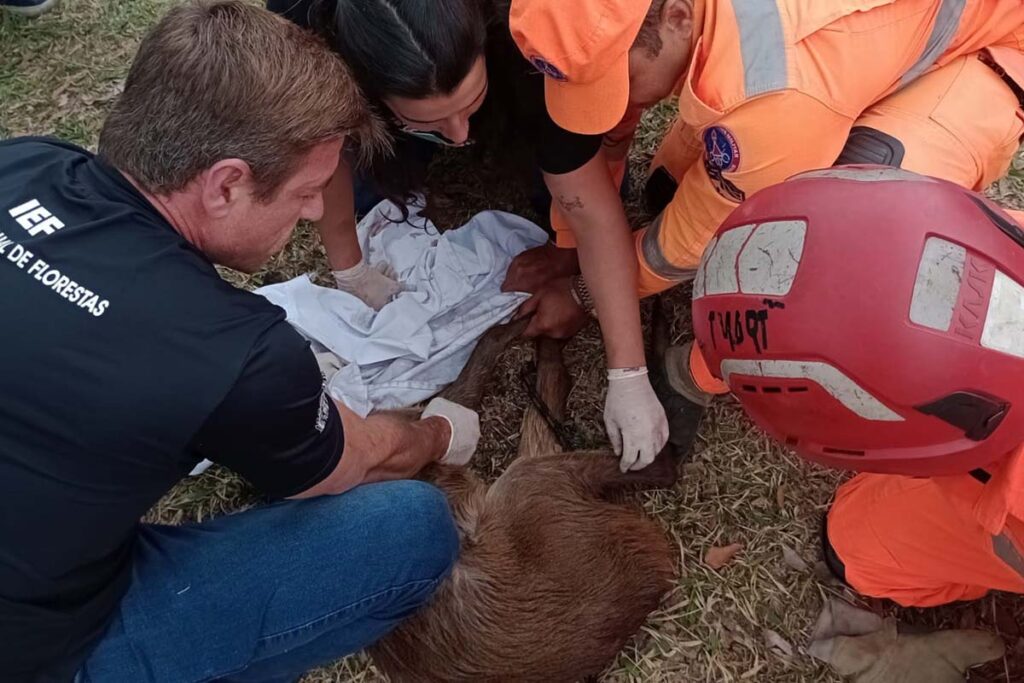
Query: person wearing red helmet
[{"x": 872, "y": 319}]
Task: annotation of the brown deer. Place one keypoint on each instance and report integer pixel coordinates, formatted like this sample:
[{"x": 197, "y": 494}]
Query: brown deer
[{"x": 556, "y": 572}]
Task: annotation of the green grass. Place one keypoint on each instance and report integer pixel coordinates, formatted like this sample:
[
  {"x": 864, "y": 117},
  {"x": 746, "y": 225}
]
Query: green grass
[
  {"x": 59, "y": 73},
  {"x": 58, "y": 76}
]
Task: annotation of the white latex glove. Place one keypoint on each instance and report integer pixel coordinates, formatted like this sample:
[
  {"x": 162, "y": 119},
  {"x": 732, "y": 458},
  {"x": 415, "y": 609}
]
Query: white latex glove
[
  {"x": 634, "y": 418},
  {"x": 465, "y": 427},
  {"x": 374, "y": 285}
]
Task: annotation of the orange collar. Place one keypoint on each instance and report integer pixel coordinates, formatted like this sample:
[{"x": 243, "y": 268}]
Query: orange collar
[{"x": 698, "y": 24}]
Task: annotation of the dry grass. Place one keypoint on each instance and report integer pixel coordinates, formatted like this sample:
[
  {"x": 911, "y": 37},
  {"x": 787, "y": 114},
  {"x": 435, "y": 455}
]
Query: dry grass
[{"x": 58, "y": 75}]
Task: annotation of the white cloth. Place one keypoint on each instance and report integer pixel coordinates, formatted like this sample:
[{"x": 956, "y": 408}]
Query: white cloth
[{"x": 418, "y": 343}]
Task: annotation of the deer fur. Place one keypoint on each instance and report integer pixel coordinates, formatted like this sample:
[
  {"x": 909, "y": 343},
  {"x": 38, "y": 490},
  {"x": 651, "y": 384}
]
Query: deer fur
[{"x": 556, "y": 572}]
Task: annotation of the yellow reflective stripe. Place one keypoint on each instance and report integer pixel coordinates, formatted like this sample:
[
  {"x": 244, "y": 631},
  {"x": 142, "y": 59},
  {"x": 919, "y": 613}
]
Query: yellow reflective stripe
[
  {"x": 655, "y": 260},
  {"x": 946, "y": 25},
  {"x": 1007, "y": 552},
  {"x": 762, "y": 45}
]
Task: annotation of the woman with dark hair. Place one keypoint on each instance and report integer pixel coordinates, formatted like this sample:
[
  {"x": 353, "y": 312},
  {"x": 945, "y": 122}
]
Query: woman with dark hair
[
  {"x": 428, "y": 67},
  {"x": 423, "y": 66}
]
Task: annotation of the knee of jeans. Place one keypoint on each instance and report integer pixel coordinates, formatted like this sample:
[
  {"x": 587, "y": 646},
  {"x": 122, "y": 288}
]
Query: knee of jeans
[{"x": 423, "y": 529}]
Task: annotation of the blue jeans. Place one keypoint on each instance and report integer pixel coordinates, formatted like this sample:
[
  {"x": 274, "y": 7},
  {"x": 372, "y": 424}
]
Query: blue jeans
[{"x": 267, "y": 594}]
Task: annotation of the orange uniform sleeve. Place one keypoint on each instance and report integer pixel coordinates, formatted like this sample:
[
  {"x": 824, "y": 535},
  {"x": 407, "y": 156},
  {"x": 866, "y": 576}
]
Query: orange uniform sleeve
[
  {"x": 679, "y": 150},
  {"x": 760, "y": 143}
]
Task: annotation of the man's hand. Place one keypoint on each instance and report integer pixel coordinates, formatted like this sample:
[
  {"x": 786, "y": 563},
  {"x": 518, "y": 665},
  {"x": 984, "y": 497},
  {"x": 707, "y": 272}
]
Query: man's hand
[
  {"x": 535, "y": 267},
  {"x": 555, "y": 312},
  {"x": 375, "y": 286},
  {"x": 465, "y": 430},
  {"x": 634, "y": 418},
  {"x": 393, "y": 445}
]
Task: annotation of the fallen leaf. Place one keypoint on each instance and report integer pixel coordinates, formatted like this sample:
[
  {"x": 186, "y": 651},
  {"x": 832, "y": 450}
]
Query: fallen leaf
[
  {"x": 777, "y": 644},
  {"x": 719, "y": 556},
  {"x": 792, "y": 560},
  {"x": 754, "y": 671}
]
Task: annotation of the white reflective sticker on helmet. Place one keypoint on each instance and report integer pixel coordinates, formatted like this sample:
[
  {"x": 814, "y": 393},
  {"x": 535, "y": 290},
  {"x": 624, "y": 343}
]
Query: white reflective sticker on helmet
[
  {"x": 1004, "y": 324},
  {"x": 864, "y": 175},
  {"x": 770, "y": 258},
  {"x": 720, "y": 273},
  {"x": 830, "y": 378},
  {"x": 937, "y": 286},
  {"x": 698, "y": 279}
]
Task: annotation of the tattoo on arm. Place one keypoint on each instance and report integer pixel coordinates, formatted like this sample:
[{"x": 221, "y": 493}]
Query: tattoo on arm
[{"x": 570, "y": 205}]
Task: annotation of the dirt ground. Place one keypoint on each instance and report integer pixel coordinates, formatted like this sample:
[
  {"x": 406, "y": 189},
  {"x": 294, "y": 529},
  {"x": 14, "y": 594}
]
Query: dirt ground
[{"x": 748, "y": 621}]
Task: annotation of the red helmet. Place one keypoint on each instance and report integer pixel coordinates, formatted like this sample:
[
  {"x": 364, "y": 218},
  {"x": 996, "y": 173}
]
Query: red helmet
[{"x": 870, "y": 318}]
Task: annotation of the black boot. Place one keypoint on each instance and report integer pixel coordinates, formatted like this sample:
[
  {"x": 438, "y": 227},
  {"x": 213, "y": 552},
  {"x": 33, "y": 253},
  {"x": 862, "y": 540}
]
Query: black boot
[
  {"x": 832, "y": 561},
  {"x": 685, "y": 409},
  {"x": 668, "y": 369}
]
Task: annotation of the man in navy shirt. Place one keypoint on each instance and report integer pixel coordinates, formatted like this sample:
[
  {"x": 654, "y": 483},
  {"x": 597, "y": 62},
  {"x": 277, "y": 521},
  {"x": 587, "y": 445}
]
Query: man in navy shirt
[{"x": 125, "y": 359}]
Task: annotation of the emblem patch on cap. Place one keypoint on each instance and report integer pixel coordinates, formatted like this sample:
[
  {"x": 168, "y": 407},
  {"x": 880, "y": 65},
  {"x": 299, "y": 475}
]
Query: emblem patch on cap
[
  {"x": 722, "y": 155},
  {"x": 547, "y": 68}
]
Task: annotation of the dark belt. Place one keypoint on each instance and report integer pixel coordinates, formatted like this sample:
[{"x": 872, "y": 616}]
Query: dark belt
[{"x": 1001, "y": 72}]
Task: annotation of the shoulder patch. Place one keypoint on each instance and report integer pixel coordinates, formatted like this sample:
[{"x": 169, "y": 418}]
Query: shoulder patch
[
  {"x": 720, "y": 149},
  {"x": 547, "y": 68},
  {"x": 722, "y": 155}
]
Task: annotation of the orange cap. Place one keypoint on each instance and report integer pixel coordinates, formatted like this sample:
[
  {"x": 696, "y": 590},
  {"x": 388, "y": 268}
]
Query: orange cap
[{"x": 582, "y": 47}]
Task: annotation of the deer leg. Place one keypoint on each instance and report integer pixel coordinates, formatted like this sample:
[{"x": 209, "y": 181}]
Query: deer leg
[
  {"x": 587, "y": 474},
  {"x": 468, "y": 388},
  {"x": 599, "y": 473},
  {"x": 553, "y": 384}
]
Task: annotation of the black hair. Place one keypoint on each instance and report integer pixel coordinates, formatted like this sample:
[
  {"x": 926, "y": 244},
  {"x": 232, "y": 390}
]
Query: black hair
[
  {"x": 424, "y": 48},
  {"x": 409, "y": 48},
  {"x": 649, "y": 37}
]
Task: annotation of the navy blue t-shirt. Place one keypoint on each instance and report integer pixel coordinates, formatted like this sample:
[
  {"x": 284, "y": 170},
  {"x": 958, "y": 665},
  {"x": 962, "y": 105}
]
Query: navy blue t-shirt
[{"x": 124, "y": 360}]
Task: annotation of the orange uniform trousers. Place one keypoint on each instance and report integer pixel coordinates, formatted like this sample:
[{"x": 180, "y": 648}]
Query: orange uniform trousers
[{"x": 930, "y": 541}]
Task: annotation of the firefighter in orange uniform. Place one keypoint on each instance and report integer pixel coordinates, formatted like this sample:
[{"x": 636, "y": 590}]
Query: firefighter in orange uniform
[{"x": 768, "y": 89}]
